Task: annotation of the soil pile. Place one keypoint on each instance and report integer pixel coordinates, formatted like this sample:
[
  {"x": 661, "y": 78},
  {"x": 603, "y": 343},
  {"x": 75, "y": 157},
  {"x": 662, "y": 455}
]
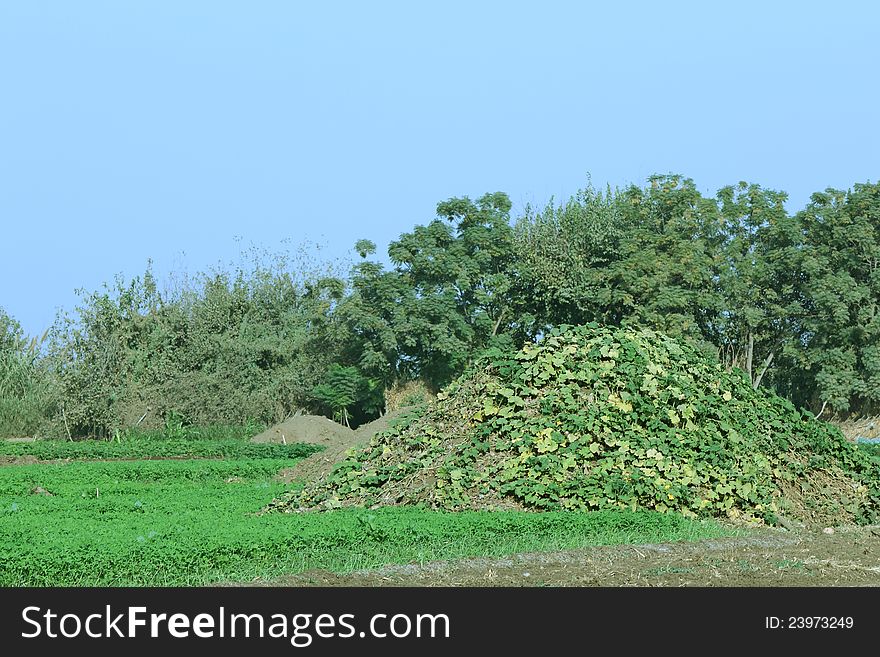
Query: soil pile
[
  {"x": 335, "y": 438},
  {"x": 315, "y": 429},
  {"x": 597, "y": 418},
  {"x": 862, "y": 429}
]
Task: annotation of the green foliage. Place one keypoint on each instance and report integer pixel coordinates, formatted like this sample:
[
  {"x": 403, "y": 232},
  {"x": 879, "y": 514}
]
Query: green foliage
[
  {"x": 447, "y": 297},
  {"x": 344, "y": 388},
  {"x": 172, "y": 523},
  {"x": 840, "y": 261},
  {"x": 642, "y": 256},
  {"x": 175, "y": 425},
  {"x": 758, "y": 321},
  {"x": 873, "y": 450},
  {"x": 664, "y": 278},
  {"x": 564, "y": 253},
  {"x": 664, "y": 257},
  {"x": 365, "y": 248},
  {"x": 11, "y": 334},
  {"x": 791, "y": 300},
  {"x": 204, "y": 432},
  {"x": 598, "y": 418}
]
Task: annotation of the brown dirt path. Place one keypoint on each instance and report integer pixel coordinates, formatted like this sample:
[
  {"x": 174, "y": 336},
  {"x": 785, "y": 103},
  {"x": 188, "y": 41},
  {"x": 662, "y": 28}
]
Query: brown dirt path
[{"x": 764, "y": 557}]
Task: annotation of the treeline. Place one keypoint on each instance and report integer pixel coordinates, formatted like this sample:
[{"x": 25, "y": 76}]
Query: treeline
[{"x": 791, "y": 299}]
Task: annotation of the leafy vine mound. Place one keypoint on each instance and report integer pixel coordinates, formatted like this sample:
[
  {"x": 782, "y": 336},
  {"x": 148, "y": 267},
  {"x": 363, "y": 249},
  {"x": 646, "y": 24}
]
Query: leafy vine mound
[{"x": 597, "y": 418}]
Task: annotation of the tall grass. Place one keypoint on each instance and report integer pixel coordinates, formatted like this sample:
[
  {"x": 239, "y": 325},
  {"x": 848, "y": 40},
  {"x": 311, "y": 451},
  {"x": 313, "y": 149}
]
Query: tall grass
[{"x": 27, "y": 400}]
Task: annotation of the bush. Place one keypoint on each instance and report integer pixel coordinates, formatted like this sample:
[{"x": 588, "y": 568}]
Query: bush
[{"x": 225, "y": 348}]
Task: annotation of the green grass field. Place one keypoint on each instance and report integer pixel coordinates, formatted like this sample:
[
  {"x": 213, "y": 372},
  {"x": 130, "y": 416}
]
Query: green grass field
[{"x": 192, "y": 522}]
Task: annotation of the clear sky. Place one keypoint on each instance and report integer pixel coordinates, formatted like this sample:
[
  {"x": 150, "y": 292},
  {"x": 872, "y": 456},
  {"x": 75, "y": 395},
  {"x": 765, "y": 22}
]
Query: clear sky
[{"x": 166, "y": 129}]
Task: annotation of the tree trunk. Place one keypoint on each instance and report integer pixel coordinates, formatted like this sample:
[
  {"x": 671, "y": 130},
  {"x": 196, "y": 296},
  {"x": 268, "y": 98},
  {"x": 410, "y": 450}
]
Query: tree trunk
[
  {"x": 498, "y": 322},
  {"x": 767, "y": 362}
]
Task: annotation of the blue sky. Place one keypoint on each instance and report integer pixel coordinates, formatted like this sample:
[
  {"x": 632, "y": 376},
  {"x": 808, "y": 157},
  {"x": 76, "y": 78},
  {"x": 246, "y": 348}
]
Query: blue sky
[{"x": 181, "y": 130}]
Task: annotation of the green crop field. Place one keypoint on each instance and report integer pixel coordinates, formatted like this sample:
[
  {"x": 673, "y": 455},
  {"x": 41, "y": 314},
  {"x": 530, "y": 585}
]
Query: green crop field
[
  {"x": 191, "y": 522},
  {"x": 146, "y": 449}
]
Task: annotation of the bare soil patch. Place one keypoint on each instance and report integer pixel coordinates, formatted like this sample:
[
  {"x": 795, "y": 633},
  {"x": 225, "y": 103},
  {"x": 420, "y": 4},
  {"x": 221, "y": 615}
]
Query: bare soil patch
[
  {"x": 315, "y": 429},
  {"x": 765, "y": 557},
  {"x": 18, "y": 460}
]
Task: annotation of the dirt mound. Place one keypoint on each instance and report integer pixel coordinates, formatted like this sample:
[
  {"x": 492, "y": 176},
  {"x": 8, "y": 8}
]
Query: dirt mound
[
  {"x": 335, "y": 438},
  {"x": 596, "y": 418},
  {"x": 315, "y": 429}
]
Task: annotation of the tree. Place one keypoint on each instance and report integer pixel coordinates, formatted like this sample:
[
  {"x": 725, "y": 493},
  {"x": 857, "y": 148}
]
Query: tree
[
  {"x": 564, "y": 256},
  {"x": 841, "y": 270},
  {"x": 757, "y": 278},
  {"x": 666, "y": 275},
  {"x": 344, "y": 387},
  {"x": 447, "y": 297},
  {"x": 641, "y": 256},
  {"x": 233, "y": 346},
  {"x": 11, "y": 333}
]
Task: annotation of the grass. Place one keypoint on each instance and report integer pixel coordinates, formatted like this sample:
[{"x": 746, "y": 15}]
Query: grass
[{"x": 171, "y": 523}]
